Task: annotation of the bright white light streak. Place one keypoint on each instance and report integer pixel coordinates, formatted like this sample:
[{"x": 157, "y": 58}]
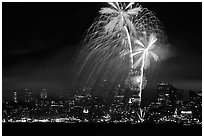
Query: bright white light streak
[{"x": 144, "y": 59}]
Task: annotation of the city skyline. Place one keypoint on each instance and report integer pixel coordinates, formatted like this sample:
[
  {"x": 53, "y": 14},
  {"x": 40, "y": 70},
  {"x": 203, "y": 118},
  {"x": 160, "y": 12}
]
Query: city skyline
[
  {"x": 86, "y": 110},
  {"x": 39, "y": 50},
  {"x": 68, "y": 93}
]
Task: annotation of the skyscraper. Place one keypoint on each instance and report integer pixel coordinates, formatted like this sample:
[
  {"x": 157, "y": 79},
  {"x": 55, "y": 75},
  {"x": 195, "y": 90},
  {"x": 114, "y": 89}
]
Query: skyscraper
[
  {"x": 28, "y": 96},
  {"x": 134, "y": 102},
  {"x": 43, "y": 94},
  {"x": 162, "y": 87},
  {"x": 36, "y": 102},
  {"x": 169, "y": 98},
  {"x": 196, "y": 103},
  {"x": 15, "y": 96}
]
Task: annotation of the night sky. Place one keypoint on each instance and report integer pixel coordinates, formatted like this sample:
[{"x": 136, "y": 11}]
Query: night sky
[{"x": 41, "y": 40}]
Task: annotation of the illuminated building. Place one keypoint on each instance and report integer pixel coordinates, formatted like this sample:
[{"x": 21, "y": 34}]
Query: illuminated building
[
  {"x": 119, "y": 99},
  {"x": 134, "y": 108},
  {"x": 43, "y": 94},
  {"x": 135, "y": 100},
  {"x": 118, "y": 105},
  {"x": 28, "y": 96},
  {"x": 78, "y": 97},
  {"x": 15, "y": 96},
  {"x": 175, "y": 94},
  {"x": 186, "y": 113},
  {"x": 56, "y": 104},
  {"x": 85, "y": 111},
  {"x": 175, "y": 113},
  {"x": 36, "y": 102},
  {"x": 162, "y": 87},
  {"x": 167, "y": 94},
  {"x": 195, "y": 98}
]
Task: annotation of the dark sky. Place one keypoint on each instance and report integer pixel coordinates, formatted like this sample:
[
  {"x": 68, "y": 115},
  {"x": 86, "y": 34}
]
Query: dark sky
[{"x": 40, "y": 41}]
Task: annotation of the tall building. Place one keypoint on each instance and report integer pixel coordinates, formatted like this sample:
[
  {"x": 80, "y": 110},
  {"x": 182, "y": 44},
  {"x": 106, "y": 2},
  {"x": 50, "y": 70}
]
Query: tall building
[
  {"x": 169, "y": 99},
  {"x": 28, "y": 97},
  {"x": 119, "y": 99},
  {"x": 167, "y": 93},
  {"x": 43, "y": 94},
  {"x": 175, "y": 94},
  {"x": 36, "y": 102},
  {"x": 135, "y": 101},
  {"x": 163, "y": 87},
  {"x": 195, "y": 95},
  {"x": 196, "y": 103},
  {"x": 15, "y": 96}
]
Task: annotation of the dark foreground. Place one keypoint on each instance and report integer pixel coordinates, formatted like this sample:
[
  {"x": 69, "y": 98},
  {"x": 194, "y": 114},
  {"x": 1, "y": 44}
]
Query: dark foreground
[{"x": 88, "y": 129}]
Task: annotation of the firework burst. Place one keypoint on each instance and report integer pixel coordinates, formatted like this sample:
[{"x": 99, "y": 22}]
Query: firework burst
[{"x": 111, "y": 46}]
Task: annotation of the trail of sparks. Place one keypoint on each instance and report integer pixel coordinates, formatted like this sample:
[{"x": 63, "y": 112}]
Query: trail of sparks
[
  {"x": 141, "y": 114},
  {"x": 106, "y": 39},
  {"x": 145, "y": 51},
  {"x": 119, "y": 31},
  {"x": 130, "y": 46},
  {"x": 142, "y": 70}
]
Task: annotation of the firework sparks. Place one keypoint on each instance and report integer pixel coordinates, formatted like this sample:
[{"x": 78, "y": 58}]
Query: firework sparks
[
  {"x": 107, "y": 37},
  {"x": 145, "y": 53},
  {"x": 141, "y": 114},
  {"x": 117, "y": 32}
]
